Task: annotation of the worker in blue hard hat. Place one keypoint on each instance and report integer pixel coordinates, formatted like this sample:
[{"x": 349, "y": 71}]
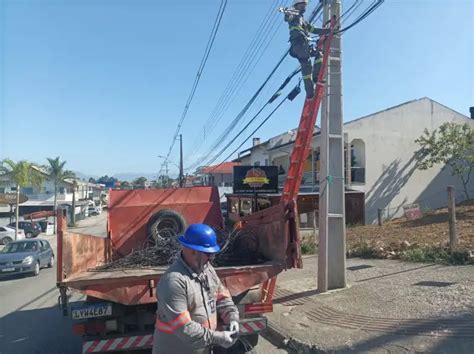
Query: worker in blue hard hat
[
  {"x": 190, "y": 297},
  {"x": 300, "y": 47}
]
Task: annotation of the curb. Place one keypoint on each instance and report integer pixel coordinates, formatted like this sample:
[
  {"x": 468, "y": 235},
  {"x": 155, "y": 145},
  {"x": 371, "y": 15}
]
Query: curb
[{"x": 275, "y": 335}]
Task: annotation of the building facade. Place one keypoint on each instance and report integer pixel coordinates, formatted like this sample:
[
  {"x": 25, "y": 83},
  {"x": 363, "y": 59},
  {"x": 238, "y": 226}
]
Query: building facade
[{"x": 380, "y": 158}]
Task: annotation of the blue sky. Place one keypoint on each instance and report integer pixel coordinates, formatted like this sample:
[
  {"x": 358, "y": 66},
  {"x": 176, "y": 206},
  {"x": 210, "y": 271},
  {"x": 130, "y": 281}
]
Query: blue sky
[{"x": 102, "y": 83}]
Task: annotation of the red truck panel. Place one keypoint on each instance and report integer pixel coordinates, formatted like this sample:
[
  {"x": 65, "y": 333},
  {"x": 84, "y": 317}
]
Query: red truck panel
[{"x": 131, "y": 210}]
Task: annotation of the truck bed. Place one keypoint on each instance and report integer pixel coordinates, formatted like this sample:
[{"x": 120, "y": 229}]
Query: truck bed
[
  {"x": 91, "y": 278},
  {"x": 79, "y": 255}
]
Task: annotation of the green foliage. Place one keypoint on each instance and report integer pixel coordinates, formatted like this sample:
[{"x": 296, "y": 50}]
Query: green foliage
[
  {"x": 125, "y": 185},
  {"x": 434, "y": 254},
  {"x": 23, "y": 173},
  {"x": 139, "y": 182},
  {"x": 452, "y": 145},
  {"x": 362, "y": 249},
  {"x": 56, "y": 170},
  {"x": 106, "y": 179},
  {"x": 308, "y": 247}
]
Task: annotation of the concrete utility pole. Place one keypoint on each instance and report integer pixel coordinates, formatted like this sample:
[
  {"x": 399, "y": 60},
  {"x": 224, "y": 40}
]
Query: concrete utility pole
[
  {"x": 332, "y": 230},
  {"x": 181, "y": 170}
]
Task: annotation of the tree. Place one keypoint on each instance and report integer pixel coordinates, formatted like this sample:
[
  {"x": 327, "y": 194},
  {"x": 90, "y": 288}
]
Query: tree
[
  {"x": 22, "y": 173},
  {"x": 139, "y": 182},
  {"x": 58, "y": 174},
  {"x": 452, "y": 145},
  {"x": 92, "y": 180},
  {"x": 107, "y": 180},
  {"x": 125, "y": 185}
]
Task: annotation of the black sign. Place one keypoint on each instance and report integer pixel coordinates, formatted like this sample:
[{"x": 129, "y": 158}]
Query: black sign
[{"x": 255, "y": 179}]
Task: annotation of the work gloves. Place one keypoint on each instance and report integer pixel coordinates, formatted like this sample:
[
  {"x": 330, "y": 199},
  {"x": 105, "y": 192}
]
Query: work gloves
[
  {"x": 234, "y": 326},
  {"x": 225, "y": 339}
]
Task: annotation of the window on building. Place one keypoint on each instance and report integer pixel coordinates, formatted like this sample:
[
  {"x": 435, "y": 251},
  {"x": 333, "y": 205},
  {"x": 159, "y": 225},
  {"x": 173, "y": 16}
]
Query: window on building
[
  {"x": 256, "y": 163},
  {"x": 13, "y": 189},
  {"x": 61, "y": 190},
  {"x": 357, "y": 156},
  {"x": 266, "y": 162},
  {"x": 2, "y": 189}
]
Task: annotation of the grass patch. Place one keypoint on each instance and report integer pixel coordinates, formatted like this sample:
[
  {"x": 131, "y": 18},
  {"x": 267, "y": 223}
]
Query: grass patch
[
  {"x": 308, "y": 248},
  {"x": 436, "y": 255},
  {"x": 362, "y": 249}
]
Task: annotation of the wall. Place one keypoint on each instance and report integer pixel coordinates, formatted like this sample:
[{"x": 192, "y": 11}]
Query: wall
[
  {"x": 259, "y": 156},
  {"x": 392, "y": 179}
]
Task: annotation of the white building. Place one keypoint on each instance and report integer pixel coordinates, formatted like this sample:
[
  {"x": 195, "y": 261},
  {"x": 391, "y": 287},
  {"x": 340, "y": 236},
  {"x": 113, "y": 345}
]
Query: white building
[{"x": 382, "y": 158}]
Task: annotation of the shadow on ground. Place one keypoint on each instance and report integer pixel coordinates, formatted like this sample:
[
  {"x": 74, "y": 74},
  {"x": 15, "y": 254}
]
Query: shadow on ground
[
  {"x": 459, "y": 339},
  {"x": 39, "y": 331}
]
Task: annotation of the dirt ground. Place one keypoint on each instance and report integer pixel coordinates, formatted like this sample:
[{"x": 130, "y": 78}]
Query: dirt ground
[{"x": 430, "y": 230}]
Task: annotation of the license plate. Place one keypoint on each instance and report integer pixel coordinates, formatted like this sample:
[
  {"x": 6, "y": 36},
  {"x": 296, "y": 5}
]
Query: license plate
[
  {"x": 8, "y": 270},
  {"x": 91, "y": 311}
]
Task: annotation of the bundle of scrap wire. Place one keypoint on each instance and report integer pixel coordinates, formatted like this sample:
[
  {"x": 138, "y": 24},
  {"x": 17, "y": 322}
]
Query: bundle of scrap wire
[
  {"x": 242, "y": 248},
  {"x": 161, "y": 251}
]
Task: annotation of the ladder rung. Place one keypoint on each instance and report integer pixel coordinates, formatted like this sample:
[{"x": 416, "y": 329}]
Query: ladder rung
[
  {"x": 334, "y": 136},
  {"x": 333, "y": 215}
]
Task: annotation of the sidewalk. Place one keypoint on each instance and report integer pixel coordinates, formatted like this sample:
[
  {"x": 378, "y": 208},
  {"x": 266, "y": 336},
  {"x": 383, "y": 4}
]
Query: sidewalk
[{"x": 389, "y": 306}]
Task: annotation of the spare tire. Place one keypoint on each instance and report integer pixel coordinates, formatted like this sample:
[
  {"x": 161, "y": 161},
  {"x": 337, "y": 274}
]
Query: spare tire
[{"x": 165, "y": 219}]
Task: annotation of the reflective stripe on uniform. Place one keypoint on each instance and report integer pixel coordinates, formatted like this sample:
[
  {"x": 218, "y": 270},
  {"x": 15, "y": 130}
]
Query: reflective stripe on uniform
[
  {"x": 223, "y": 294},
  {"x": 319, "y": 60},
  {"x": 309, "y": 76},
  {"x": 172, "y": 326},
  {"x": 297, "y": 28}
]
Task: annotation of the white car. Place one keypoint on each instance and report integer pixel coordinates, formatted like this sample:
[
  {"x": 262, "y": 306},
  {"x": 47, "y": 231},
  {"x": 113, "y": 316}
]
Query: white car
[
  {"x": 7, "y": 235},
  {"x": 95, "y": 210}
]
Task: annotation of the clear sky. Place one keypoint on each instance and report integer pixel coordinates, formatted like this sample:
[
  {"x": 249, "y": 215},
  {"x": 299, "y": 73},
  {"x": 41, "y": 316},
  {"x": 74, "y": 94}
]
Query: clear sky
[{"x": 102, "y": 83}]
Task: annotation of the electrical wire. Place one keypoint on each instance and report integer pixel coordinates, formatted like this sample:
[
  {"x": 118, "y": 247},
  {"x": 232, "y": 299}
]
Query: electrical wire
[
  {"x": 202, "y": 65},
  {"x": 239, "y": 116},
  {"x": 363, "y": 16},
  {"x": 246, "y": 66},
  {"x": 248, "y": 137},
  {"x": 359, "y": 19}
]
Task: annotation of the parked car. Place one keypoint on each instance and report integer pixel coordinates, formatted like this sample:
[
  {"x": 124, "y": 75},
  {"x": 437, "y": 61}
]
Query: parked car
[
  {"x": 31, "y": 228},
  {"x": 94, "y": 210},
  {"x": 26, "y": 257},
  {"x": 7, "y": 235},
  {"x": 44, "y": 225}
]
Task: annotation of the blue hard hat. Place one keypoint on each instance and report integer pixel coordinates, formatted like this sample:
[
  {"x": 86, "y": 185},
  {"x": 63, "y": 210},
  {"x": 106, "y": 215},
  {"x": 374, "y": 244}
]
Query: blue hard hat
[{"x": 200, "y": 237}]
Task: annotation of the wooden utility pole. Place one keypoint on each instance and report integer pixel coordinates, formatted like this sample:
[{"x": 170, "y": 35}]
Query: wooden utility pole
[
  {"x": 73, "y": 214},
  {"x": 380, "y": 216},
  {"x": 181, "y": 169},
  {"x": 453, "y": 236}
]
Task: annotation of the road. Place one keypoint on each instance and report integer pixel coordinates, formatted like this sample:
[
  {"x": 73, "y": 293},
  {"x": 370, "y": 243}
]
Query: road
[
  {"x": 94, "y": 225},
  {"x": 30, "y": 319}
]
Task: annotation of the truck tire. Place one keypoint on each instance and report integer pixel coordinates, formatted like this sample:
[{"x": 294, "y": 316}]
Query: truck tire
[{"x": 165, "y": 219}]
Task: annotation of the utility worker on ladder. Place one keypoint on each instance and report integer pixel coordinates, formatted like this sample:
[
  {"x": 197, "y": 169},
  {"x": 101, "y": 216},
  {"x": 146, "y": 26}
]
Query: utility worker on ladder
[
  {"x": 191, "y": 296},
  {"x": 300, "y": 47}
]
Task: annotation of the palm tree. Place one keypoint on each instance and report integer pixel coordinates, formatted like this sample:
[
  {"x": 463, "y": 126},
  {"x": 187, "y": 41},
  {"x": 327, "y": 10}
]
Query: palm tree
[
  {"x": 58, "y": 174},
  {"x": 22, "y": 173}
]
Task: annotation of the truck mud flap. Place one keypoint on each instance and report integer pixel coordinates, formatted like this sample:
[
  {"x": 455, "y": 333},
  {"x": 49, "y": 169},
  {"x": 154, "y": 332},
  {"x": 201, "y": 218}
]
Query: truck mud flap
[
  {"x": 118, "y": 344},
  {"x": 252, "y": 325}
]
